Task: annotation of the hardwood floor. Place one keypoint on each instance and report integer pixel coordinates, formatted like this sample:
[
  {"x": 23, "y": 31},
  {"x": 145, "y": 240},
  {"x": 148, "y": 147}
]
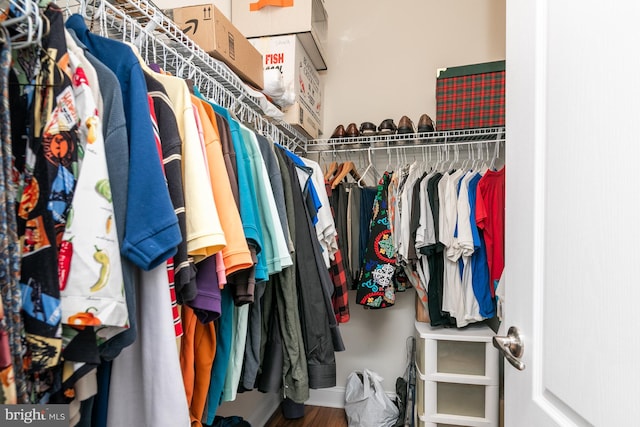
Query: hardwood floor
[{"x": 314, "y": 416}]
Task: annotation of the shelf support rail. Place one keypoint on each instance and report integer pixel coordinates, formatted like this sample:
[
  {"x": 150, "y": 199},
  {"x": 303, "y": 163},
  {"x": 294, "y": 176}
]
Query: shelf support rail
[
  {"x": 401, "y": 142},
  {"x": 145, "y": 10},
  {"x": 116, "y": 20}
]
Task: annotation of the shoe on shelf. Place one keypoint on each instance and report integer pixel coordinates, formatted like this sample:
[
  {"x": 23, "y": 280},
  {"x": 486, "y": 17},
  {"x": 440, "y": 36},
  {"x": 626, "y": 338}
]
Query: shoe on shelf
[
  {"x": 352, "y": 131},
  {"x": 367, "y": 129},
  {"x": 425, "y": 124},
  {"x": 339, "y": 132},
  {"x": 387, "y": 127},
  {"x": 405, "y": 125}
]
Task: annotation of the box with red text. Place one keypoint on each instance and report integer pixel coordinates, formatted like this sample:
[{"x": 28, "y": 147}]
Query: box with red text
[{"x": 286, "y": 54}]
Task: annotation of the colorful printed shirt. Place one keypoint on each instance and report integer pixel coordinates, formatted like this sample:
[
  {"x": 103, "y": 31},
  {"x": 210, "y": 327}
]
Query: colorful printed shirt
[
  {"x": 90, "y": 269},
  {"x": 376, "y": 288},
  {"x": 47, "y": 184}
]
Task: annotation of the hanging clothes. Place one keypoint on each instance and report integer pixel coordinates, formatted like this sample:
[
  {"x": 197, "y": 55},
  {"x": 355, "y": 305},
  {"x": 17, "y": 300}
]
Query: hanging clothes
[
  {"x": 142, "y": 179},
  {"x": 48, "y": 183},
  {"x": 479, "y": 266},
  {"x": 283, "y": 354},
  {"x": 376, "y": 287},
  {"x": 14, "y": 386},
  {"x": 94, "y": 257},
  {"x": 340, "y": 297},
  {"x": 339, "y": 201},
  {"x": 490, "y": 215},
  {"x": 463, "y": 250},
  {"x": 117, "y": 153},
  {"x": 318, "y": 336},
  {"x": 452, "y": 300}
]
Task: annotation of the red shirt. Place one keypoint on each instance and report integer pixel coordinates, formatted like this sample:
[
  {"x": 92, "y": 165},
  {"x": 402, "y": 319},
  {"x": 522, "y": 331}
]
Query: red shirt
[{"x": 490, "y": 219}]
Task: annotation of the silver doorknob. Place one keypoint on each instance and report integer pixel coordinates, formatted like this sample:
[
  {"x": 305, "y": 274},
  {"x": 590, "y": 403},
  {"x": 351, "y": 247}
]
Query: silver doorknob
[{"x": 511, "y": 347}]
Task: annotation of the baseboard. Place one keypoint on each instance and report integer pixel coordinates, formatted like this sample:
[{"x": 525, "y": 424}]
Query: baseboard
[
  {"x": 333, "y": 397},
  {"x": 327, "y": 397},
  {"x": 264, "y": 409}
]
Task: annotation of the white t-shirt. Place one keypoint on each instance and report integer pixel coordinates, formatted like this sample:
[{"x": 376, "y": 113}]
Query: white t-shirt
[
  {"x": 452, "y": 298},
  {"x": 325, "y": 226},
  {"x": 406, "y": 199}
]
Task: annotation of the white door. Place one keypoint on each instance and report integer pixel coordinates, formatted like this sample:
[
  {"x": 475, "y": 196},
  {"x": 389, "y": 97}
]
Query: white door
[{"x": 573, "y": 212}]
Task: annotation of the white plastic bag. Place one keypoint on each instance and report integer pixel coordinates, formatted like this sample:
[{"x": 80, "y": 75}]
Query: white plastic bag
[{"x": 366, "y": 403}]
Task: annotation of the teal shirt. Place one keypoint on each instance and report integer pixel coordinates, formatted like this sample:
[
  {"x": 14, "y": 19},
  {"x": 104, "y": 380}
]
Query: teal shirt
[
  {"x": 271, "y": 230},
  {"x": 249, "y": 213}
]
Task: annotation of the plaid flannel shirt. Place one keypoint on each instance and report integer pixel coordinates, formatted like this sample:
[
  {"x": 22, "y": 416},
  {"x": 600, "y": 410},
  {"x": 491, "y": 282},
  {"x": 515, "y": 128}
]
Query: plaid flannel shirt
[{"x": 340, "y": 297}]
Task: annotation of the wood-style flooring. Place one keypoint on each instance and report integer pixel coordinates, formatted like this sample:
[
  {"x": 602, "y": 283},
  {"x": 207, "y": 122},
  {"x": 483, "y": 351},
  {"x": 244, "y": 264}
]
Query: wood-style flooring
[{"x": 314, "y": 416}]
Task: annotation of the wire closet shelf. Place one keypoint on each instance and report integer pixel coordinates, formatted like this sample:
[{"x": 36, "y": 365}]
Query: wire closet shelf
[
  {"x": 159, "y": 39},
  {"x": 408, "y": 141}
]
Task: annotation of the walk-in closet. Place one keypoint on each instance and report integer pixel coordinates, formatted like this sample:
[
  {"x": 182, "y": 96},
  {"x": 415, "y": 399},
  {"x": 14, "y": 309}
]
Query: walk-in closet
[{"x": 318, "y": 212}]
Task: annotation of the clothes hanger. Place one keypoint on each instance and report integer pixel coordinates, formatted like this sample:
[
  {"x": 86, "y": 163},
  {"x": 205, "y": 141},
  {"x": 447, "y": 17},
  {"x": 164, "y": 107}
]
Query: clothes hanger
[
  {"x": 456, "y": 157},
  {"x": 444, "y": 160},
  {"x": 426, "y": 154},
  {"x": 389, "y": 168},
  {"x": 360, "y": 182},
  {"x": 331, "y": 170},
  {"x": 22, "y": 13},
  {"x": 464, "y": 165},
  {"x": 28, "y": 28},
  {"x": 333, "y": 166},
  {"x": 482, "y": 161},
  {"x": 472, "y": 158},
  {"x": 496, "y": 153},
  {"x": 348, "y": 168},
  {"x": 466, "y": 161},
  {"x": 401, "y": 163}
]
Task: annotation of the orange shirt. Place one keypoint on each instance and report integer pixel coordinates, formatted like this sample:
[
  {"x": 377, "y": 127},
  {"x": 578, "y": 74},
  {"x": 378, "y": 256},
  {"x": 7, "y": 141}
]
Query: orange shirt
[{"x": 236, "y": 253}]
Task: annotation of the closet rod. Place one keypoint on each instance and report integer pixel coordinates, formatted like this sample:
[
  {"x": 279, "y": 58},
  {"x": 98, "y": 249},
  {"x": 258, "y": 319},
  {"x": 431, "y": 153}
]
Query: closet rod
[
  {"x": 408, "y": 141},
  {"x": 153, "y": 23}
]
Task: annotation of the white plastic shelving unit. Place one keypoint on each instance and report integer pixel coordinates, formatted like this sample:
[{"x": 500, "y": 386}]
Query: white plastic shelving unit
[{"x": 457, "y": 381}]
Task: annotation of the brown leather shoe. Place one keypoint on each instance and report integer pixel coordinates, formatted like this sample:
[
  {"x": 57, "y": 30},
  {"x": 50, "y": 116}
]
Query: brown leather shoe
[
  {"x": 367, "y": 129},
  {"x": 387, "y": 127},
  {"x": 405, "y": 125},
  {"x": 338, "y": 132},
  {"x": 425, "y": 124},
  {"x": 352, "y": 131}
]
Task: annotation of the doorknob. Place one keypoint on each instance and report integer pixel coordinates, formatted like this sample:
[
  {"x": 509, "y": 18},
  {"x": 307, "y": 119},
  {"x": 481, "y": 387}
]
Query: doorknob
[{"x": 511, "y": 347}]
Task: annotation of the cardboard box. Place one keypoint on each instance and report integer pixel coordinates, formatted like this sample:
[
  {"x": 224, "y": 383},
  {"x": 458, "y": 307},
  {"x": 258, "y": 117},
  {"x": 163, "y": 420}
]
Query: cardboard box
[
  {"x": 215, "y": 34},
  {"x": 287, "y": 54},
  {"x": 223, "y": 5},
  {"x": 471, "y": 96},
  {"x": 306, "y": 18}
]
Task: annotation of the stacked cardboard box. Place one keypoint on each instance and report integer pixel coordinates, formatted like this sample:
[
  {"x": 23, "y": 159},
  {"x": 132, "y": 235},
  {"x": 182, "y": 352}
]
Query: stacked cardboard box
[
  {"x": 217, "y": 36},
  {"x": 287, "y": 54}
]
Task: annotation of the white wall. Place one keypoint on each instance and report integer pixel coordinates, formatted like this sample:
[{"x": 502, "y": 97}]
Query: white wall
[
  {"x": 377, "y": 339},
  {"x": 382, "y": 56}
]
